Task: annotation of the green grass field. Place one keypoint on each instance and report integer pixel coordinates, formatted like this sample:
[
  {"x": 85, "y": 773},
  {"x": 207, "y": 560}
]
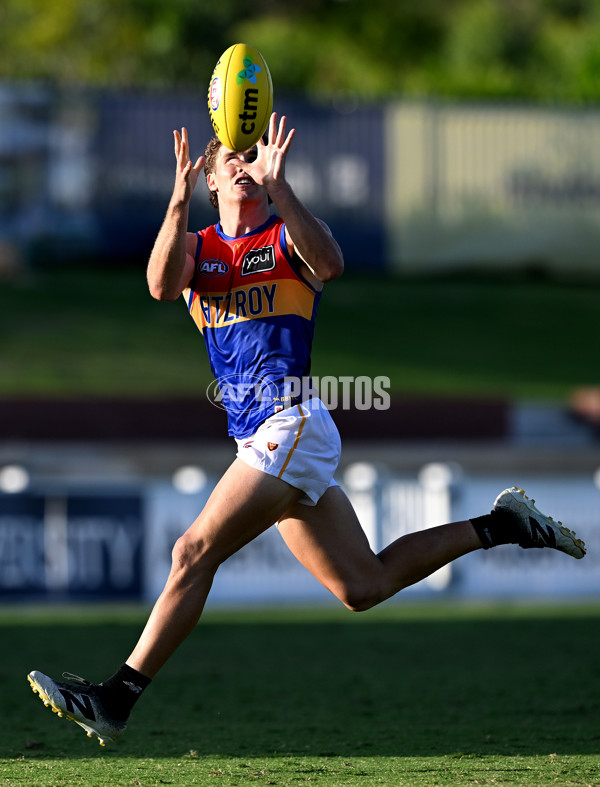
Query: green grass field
[
  {"x": 76, "y": 332},
  {"x": 408, "y": 694}
]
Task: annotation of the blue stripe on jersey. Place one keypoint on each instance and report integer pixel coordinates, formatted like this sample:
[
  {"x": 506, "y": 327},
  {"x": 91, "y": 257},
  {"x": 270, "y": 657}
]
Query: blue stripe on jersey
[
  {"x": 256, "y": 231},
  {"x": 293, "y": 261}
]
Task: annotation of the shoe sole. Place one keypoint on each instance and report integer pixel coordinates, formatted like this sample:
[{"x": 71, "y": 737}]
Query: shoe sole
[
  {"x": 90, "y": 731},
  {"x": 519, "y": 497}
]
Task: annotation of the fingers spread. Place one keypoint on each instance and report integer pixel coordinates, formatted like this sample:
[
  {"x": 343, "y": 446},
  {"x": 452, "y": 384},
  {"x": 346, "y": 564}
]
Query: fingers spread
[{"x": 272, "y": 127}]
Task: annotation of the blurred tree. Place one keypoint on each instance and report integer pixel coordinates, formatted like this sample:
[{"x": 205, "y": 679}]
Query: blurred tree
[{"x": 542, "y": 49}]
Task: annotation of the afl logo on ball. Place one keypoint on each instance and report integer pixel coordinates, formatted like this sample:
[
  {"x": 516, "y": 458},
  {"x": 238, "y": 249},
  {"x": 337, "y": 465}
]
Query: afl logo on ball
[
  {"x": 214, "y": 95},
  {"x": 213, "y": 267}
]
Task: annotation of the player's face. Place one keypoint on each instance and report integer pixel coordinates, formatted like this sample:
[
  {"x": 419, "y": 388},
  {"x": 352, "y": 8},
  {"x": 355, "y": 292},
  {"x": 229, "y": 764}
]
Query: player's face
[{"x": 229, "y": 179}]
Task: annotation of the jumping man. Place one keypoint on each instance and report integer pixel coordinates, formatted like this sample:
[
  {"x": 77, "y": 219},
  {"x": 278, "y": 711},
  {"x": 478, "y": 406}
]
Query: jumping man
[{"x": 252, "y": 284}]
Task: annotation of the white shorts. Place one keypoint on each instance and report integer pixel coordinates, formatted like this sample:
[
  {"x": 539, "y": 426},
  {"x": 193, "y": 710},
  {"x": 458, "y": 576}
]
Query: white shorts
[{"x": 301, "y": 445}]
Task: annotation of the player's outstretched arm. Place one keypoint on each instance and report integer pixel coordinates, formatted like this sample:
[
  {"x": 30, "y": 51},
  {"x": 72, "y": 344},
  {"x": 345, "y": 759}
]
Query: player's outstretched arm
[
  {"x": 171, "y": 264},
  {"x": 309, "y": 237}
]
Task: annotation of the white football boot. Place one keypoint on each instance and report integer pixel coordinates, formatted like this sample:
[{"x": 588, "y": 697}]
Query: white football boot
[
  {"x": 536, "y": 529},
  {"x": 79, "y": 704}
]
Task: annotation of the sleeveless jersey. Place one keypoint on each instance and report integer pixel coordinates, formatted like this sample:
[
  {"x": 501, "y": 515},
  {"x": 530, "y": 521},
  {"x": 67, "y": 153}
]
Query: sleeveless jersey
[{"x": 256, "y": 314}]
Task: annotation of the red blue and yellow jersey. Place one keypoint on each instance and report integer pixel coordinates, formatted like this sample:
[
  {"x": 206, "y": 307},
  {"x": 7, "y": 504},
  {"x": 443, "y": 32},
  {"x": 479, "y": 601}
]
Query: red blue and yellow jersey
[{"x": 256, "y": 313}]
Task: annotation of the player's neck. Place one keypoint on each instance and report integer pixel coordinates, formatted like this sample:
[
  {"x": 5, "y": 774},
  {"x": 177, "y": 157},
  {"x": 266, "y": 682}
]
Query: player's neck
[{"x": 240, "y": 219}]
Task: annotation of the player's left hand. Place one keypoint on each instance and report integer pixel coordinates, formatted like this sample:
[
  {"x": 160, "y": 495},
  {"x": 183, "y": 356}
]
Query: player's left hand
[{"x": 268, "y": 168}]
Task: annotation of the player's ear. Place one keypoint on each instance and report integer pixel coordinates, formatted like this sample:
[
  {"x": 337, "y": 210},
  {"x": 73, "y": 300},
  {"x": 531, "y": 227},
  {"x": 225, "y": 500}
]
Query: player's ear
[{"x": 210, "y": 181}]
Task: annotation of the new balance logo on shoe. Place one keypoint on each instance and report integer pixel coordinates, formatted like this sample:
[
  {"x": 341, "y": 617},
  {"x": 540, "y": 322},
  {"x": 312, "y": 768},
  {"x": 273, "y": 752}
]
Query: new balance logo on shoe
[
  {"x": 544, "y": 535},
  {"x": 83, "y": 703}
]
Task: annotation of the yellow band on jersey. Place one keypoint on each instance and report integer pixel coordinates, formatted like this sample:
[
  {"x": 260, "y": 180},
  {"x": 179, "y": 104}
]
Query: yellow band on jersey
[{"x": 273, "y": 298}]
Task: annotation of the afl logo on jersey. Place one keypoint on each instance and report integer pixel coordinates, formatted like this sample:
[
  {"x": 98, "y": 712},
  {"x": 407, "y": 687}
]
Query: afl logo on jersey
[
  {"x": 213, "y": 267},
  {"x": 258, "y": 260}
]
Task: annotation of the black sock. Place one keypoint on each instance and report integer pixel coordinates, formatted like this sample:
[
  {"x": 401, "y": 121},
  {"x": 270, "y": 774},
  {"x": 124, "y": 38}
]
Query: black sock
[
  {"x": 496, "y": 528},
  {"x": 120, "y": 692}
]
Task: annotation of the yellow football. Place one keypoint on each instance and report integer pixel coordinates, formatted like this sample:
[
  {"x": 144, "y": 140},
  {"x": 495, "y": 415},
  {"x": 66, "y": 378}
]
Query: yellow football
[{"x": 240, "y": 97}]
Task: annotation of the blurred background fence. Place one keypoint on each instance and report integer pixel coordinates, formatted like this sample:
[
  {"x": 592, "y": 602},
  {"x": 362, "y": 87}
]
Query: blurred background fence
[
  {"x": 411, "y": 186},
  {"x": 87, "y": 175},
  {"x": 64, "y": 540}
]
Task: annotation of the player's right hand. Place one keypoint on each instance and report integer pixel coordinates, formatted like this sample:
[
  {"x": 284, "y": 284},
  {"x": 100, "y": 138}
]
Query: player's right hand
[{"x": 186, "y": 175}]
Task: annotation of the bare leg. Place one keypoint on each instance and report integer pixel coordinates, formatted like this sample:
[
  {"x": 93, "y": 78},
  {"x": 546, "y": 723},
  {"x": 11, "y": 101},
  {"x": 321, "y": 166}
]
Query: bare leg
[
  {"x": 329, "y": 541},
  {"x": 244, "y": 503}
]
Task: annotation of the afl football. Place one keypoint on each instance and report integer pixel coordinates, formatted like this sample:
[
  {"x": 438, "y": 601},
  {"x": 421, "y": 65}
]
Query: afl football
[{"x": 240, "y": 97}]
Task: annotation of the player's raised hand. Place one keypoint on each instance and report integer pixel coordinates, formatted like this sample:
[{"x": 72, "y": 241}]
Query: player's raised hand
[
  {"x": 187, "y": 173},
  {"x": 268, "y": 168}
]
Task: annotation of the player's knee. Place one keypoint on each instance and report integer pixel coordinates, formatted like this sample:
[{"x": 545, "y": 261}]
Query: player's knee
[{"x": 191, "y": 555}]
